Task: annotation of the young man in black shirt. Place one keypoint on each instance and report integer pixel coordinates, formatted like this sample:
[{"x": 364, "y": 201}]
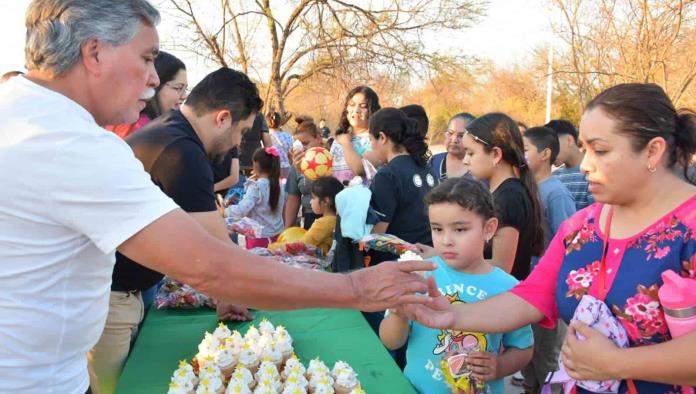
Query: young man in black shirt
[{"x": 177, "y": 149}]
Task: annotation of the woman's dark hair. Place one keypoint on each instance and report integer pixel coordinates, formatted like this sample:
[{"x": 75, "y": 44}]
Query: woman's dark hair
[
  {"x": 167, "y": 66},
  {"x": 275, "y": 121},
  {"x": 642, "y": 112},
  {"x": 467, "y": 193},
  {"x": 417, "y": 112},
  {"x": 305, "y": 124},
  {"x": 498, "y": 130},
  {"x": 465, "y": 116},
  {"x": 402, "y": 131},
  {"x": 327, "y": 187},
  {"x": 372, "y": 107},
  {"x": 271, "y": 165},
  {"x": 226, "y": 89}
]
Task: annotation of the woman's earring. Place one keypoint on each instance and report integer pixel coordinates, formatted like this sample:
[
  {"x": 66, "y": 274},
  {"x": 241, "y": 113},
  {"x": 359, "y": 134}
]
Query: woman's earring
[{"x": 651, "y": 169}]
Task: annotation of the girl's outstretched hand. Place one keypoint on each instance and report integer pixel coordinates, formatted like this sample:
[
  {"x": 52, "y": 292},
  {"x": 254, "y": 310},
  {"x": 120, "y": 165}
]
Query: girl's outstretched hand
[{"x": 437, "y": 313}]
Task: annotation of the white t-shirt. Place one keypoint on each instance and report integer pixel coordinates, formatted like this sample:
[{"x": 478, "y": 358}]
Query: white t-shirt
[{"x": 70, "y": 193}]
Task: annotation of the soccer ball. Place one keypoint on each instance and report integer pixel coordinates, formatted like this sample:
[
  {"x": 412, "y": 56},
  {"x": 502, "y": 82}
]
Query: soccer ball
[{"x": 316, "y": 163}]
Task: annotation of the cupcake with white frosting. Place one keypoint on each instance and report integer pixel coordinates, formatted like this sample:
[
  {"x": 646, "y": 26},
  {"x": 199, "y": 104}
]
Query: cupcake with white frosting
[
  {"x": 291, "y": 389},
  {"x": 221, "y": 332},
  {"x": 226, "y": 361},
  {"x": 284, "y": 344},
  {"x": 345, "y": 381},
  {"x": 237, "y": 387},
  {"x": 293, "y": 366},
  {"x": 248, "y": 358},
  {"x": 297, "y": 380},
  {"x": 266, "y": 327},
  {"x": 180, "y": 387},
  {"x": 252, "y": 335},
  {"x": 317, "y": 367},
  {"x": 244, "y": 375}
]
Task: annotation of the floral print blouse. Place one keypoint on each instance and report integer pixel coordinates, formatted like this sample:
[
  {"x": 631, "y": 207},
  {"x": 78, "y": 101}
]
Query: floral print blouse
[{"x": 634, "y": 265}]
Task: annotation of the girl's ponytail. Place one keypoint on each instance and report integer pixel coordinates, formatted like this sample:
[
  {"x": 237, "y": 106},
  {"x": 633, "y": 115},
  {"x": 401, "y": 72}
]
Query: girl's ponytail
[{"x": 269, "y": 162}]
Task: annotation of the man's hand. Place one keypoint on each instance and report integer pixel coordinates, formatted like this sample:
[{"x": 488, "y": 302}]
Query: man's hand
[
  {"x": 436, "y": 313},
  {"x": 390, "y": 284},
  {"x": 483, "y": 365},
  {"x": 230, "y": 312}
]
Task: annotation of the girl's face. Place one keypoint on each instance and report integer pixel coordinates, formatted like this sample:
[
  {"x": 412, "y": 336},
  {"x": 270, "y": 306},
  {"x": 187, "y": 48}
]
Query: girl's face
[
  {"x": 256, "y": 168},
  {"x": 173, "y": 93},
  {"x": 318, "y": 206},
  {"x": 308, "y": 141},
  {"x": 479, "y": 162},
  {"x": 358, "y": 112},
  {"x": 459, "y": 235},
  {"x": 613, "y": 170},
  {"x": 379, "y": 148}
]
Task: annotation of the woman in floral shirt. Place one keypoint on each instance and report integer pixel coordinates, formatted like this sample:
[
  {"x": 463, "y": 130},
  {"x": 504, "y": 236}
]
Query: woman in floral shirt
[{"x": 635, "y": 141}]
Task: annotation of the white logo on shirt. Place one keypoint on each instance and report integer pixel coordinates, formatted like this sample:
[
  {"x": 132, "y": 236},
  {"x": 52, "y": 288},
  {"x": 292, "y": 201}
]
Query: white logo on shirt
[
  {"x": 417, "y": 180},
  {"x": 430, "y": 180}
]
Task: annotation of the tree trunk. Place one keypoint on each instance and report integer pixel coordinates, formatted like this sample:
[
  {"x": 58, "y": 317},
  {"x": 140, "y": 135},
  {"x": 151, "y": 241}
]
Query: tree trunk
[{"x": 275, "y": 100}]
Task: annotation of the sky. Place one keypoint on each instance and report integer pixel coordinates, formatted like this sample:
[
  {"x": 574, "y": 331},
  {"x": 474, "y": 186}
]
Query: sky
[{"x": 507, "y": 34}]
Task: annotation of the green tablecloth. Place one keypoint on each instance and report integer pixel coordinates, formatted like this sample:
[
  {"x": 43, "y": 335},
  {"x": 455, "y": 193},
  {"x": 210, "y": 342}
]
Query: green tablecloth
[{"x": 169, "y": 336}]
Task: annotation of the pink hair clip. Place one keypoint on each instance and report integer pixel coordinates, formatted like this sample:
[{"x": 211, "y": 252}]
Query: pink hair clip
[{"x": 271, "y": 150}]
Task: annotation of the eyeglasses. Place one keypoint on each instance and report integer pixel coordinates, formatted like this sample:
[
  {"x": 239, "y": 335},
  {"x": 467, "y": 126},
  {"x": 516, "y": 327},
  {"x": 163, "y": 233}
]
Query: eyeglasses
[
  {"x": 181, "y": 89},
  {"x": 459, "y": 136}
]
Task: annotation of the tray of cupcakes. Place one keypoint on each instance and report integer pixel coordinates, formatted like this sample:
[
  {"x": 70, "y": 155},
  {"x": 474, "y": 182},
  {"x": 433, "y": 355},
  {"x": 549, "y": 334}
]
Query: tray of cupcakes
[{"x": 262, "y": 361}]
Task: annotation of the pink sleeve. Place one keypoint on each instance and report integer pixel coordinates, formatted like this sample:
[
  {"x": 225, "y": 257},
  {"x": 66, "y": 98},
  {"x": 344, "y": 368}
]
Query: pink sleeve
[{"x": 539, "y": 289}]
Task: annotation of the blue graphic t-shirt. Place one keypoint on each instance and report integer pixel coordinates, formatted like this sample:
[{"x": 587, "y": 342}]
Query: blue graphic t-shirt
[{"x": 427, "y": 347}]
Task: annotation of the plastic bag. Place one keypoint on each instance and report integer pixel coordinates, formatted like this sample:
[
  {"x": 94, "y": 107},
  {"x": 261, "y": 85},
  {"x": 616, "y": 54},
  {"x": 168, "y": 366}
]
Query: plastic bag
[
  {"x": 294, "y": 249},
  {"x": 245, "y": 226},
  {"x": 386, "y": 243},
  {"x": 176, "y": 295}
]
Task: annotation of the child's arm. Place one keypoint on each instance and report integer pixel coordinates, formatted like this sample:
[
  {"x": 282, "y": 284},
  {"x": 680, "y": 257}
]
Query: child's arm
[
  {"x": 252, "y": 196},
  {"x": 486, "y": 366},
  {"x": 393, "y": 331}
]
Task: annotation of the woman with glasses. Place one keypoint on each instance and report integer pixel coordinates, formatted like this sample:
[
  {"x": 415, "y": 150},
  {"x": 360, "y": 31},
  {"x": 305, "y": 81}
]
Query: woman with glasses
[
  {"x": 170, "y": 94},
  {"x": 450, "y": 164}
]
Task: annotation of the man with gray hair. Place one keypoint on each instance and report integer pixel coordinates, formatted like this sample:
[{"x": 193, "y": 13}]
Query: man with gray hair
[{"x": 90, "y": 63}]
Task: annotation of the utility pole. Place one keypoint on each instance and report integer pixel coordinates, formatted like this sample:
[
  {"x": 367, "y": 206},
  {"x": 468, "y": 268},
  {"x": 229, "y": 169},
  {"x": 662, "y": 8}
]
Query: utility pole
[{"x": 549, "y": 84}]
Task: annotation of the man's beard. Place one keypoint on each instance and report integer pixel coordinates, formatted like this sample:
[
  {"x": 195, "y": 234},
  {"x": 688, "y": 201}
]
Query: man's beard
[{"x": 218, "y": 152}]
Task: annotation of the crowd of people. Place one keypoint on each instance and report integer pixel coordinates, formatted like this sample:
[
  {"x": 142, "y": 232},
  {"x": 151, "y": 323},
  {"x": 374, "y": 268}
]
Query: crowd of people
[{"x": 111, "y": 170}]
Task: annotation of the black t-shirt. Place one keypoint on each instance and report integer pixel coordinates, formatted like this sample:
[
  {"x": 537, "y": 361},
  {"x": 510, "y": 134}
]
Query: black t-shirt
[
  {"x": 398, "y": 191},
  {"x": 251, "y": 141},
  {"x": 173, "y": 155},
  {"x": 514, "y": 209},
  {"x": 325, "y": 132},
  {"x": 221, "y": 170}
]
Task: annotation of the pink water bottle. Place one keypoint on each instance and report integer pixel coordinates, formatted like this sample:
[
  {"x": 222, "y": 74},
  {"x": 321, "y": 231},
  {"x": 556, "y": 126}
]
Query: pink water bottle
[{"x": 678, "y": 298}]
